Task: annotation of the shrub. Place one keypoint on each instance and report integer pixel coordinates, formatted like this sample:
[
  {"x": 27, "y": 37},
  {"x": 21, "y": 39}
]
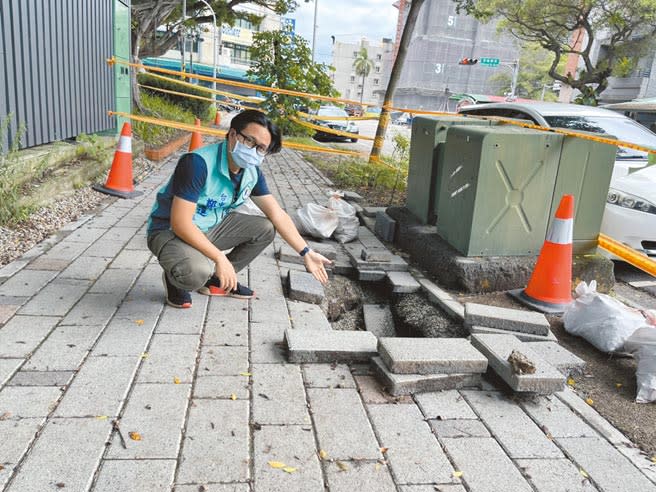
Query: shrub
[
  {"x": 155, "y": 135},
  {"x": 201, "y": 109}
]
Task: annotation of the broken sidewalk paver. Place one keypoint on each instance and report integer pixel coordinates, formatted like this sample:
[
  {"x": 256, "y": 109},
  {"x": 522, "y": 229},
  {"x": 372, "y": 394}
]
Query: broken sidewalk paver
[
  {"x": 385, "y": 227},
  {"x": 497, "y": 348},
  {"x": 408, "y": 384},
  {"x": 431, "y": 356},
  {"x": 403, "y": 282},
  {"x": 378, "y": 320},
  {"x": 330, "y": 346},
  {"x": 524, "y": 337},
  {"x": 304, "y": 287},
  {"x": 505, "y": 319},
  {"x": 558, "y": 356}
]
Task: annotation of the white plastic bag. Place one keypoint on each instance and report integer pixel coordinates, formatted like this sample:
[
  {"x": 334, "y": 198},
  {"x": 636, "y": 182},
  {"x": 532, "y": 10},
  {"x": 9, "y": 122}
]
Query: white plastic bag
[
  {"x": 347, "y": 229},
  {"x": 603, "y": 321},
  {"x": 642, "y": 344},
  {"x": 316, "y": 221}
]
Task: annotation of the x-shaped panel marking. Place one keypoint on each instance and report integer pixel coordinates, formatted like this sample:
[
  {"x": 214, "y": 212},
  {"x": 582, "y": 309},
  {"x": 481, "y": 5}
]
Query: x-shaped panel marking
[{"x": 514, "y": 196}]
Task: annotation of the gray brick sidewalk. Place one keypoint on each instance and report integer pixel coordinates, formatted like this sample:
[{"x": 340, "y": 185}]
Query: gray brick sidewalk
[{"x": 104, "y": 388}]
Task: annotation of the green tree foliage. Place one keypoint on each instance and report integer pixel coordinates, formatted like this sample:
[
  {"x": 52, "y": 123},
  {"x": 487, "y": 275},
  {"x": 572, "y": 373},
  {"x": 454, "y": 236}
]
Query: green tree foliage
[
  {"x": 534, "y": 63},
  {"x": 363, "y": 65},
  {"x": 284, "y": 61},
  {"x": 627, "y": 26},
  {"x": 156, "y": 24}
]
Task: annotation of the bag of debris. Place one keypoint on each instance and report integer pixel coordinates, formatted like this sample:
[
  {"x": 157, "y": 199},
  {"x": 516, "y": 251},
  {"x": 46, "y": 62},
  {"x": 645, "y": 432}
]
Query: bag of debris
[
  {"x": 347, "y": 229},
  {"x": 316, "y": 221},
  {"x": 642, "y": 344},
  {"x": 603, "y": 321}
]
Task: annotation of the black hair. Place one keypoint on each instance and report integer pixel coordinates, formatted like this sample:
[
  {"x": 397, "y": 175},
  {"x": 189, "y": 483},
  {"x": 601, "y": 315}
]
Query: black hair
[{"x": 245, "y": 118}]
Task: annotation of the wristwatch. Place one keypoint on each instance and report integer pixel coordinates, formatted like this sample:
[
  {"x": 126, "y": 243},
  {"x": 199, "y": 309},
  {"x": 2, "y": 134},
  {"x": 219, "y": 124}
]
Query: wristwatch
[{"x": 304, "y": 251}]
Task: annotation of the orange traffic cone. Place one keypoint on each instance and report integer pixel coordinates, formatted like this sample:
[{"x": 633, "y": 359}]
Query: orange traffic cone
[
  {"x": 550, "y": 288},
  {"x": 217, "y": 118},
  {"x": 119, "y": 181},
  {"x": 196, "y": 139}
]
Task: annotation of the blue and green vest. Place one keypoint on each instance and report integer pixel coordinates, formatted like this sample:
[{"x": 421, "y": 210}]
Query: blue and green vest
[{"x": 219, "y": 197}]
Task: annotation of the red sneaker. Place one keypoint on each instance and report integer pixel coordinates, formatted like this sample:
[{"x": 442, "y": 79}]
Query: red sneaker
[{"x": 213, "y": 288}]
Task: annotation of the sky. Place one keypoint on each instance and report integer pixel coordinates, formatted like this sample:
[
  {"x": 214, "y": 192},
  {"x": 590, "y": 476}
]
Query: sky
[{"x": 347, "y": 20}]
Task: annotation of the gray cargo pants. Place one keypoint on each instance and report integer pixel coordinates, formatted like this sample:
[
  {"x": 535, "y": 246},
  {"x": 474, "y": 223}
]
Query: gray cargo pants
[{"x": 189, "y": 269}]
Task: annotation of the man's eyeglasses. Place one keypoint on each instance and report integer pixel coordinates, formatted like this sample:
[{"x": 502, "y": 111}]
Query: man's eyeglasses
[{"x": 250, "y": 142}]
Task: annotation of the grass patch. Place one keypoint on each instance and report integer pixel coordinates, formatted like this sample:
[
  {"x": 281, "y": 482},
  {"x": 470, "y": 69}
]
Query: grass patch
[
  {"x": 157, "y": 135},
  {"x": 381, "y": 184}
]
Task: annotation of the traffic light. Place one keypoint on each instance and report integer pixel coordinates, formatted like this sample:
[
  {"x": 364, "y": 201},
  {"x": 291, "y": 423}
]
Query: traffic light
[{"x": 468, "y": 61}]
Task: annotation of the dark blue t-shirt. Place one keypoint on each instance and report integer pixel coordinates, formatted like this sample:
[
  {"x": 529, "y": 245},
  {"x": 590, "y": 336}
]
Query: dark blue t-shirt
[{"x": 187, "y": 183}]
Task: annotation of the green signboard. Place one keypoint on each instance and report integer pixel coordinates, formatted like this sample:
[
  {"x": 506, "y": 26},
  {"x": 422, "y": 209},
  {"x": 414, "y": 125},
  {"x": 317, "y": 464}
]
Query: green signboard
[{"x": 489, "y": 62}]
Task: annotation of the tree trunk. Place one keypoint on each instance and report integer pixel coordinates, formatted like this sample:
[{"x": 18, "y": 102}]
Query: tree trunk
[
  {"x": 362, "y": 91},
  {"x": 136, "y": 99},
  {"x": 409, "y": 28}
]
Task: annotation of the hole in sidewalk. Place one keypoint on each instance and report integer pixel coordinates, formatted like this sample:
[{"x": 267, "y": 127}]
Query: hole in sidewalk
[{"x": 413, "y": 314}]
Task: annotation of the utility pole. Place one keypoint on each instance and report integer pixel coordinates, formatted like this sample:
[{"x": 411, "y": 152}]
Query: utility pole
[
  {"x": 184, "y": 37},
  {"x": 314, "y": 27}
]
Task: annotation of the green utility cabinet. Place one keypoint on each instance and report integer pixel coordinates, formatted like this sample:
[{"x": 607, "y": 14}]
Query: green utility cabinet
[
  {"x": 426, "y": 154},
  {"x": 585, "y": 171},
  {"x": 496, "y": 189}
]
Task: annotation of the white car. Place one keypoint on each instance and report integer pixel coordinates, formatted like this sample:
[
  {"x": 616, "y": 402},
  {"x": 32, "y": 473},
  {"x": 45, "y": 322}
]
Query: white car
[
  {"x": 342, "y": 125},
  {"x": 630, "y": 215}
]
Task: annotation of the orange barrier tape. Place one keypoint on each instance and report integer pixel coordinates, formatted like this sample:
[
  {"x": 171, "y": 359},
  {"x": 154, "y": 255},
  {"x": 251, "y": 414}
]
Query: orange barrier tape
[
  {"x": 336, "y": 118},
  {"x": 221, "y": 133},
  {"x": 166, "y": 91},
  {"x": 111, "y": 61},
  {"x": 182, "y": 94},
  {"x": 209, "y": 89},
  {"x": 629, "y": 255},
  {"x": 332, "y": 131}
]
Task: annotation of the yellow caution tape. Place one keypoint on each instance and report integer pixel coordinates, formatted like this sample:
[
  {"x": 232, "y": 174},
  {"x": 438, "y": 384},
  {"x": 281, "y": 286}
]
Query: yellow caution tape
[
  {"x": 208, "y": 89},
  {"x": 329, "y": 130},
  {"x": 166, "y": 91},
  {"x": 630, "y": 255},
  {"x": 111, "y": 61},
  {"x": 222, "y": 133},
  {"x": 335, "y": 118},
  {"x": 182, "y": 94}
]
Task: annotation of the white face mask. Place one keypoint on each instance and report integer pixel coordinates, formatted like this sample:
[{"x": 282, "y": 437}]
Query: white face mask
[{"x": 244, "y": 157}]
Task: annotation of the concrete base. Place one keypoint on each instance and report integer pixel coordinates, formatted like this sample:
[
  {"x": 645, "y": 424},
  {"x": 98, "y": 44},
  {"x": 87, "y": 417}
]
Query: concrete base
[{"x": 482, "y": 273}]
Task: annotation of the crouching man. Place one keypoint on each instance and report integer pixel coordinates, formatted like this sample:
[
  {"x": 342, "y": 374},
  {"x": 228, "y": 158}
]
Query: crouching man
[{"x": 193, "y": 219}]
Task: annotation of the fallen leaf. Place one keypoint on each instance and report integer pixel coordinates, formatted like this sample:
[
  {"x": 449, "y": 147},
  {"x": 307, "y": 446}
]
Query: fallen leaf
[
  {"x": 289, "y": 469},
  {"x": 247, "y": 374},
  {"x": 5, "y": 416},
  {"x": 377, "y": 466},
  {"x": 135, "y": 436},
  {"x": 322, "y": 454},
  {"x": 276, "y": 464},
  {"x": 176, "y": 380},
  {"x": 589, "y": 401},
  {"x": 653, "y": 459},
  {"x": 101, "y": 417},
  {"x": 60, "y": 485},
  {"x": 618, "y": 385},
  {"x": 233, "y": 397},
  {"x": 457, "y": 474},
  {"x": 571, "y": 382},
  {"x": 139, "y": 322},
  {"x": 383, "y": 450},
  {"x": 583, "y": 473},
  {"x": 342, "y": 466},
  {"x": 2, "y": 467},
  {"x": 202, "y": 488},
  {"x": 144, "y": 355}
]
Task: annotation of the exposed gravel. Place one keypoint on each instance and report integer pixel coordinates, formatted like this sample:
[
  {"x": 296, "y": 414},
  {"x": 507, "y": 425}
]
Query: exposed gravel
[{"x": 17, "y": 239}]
